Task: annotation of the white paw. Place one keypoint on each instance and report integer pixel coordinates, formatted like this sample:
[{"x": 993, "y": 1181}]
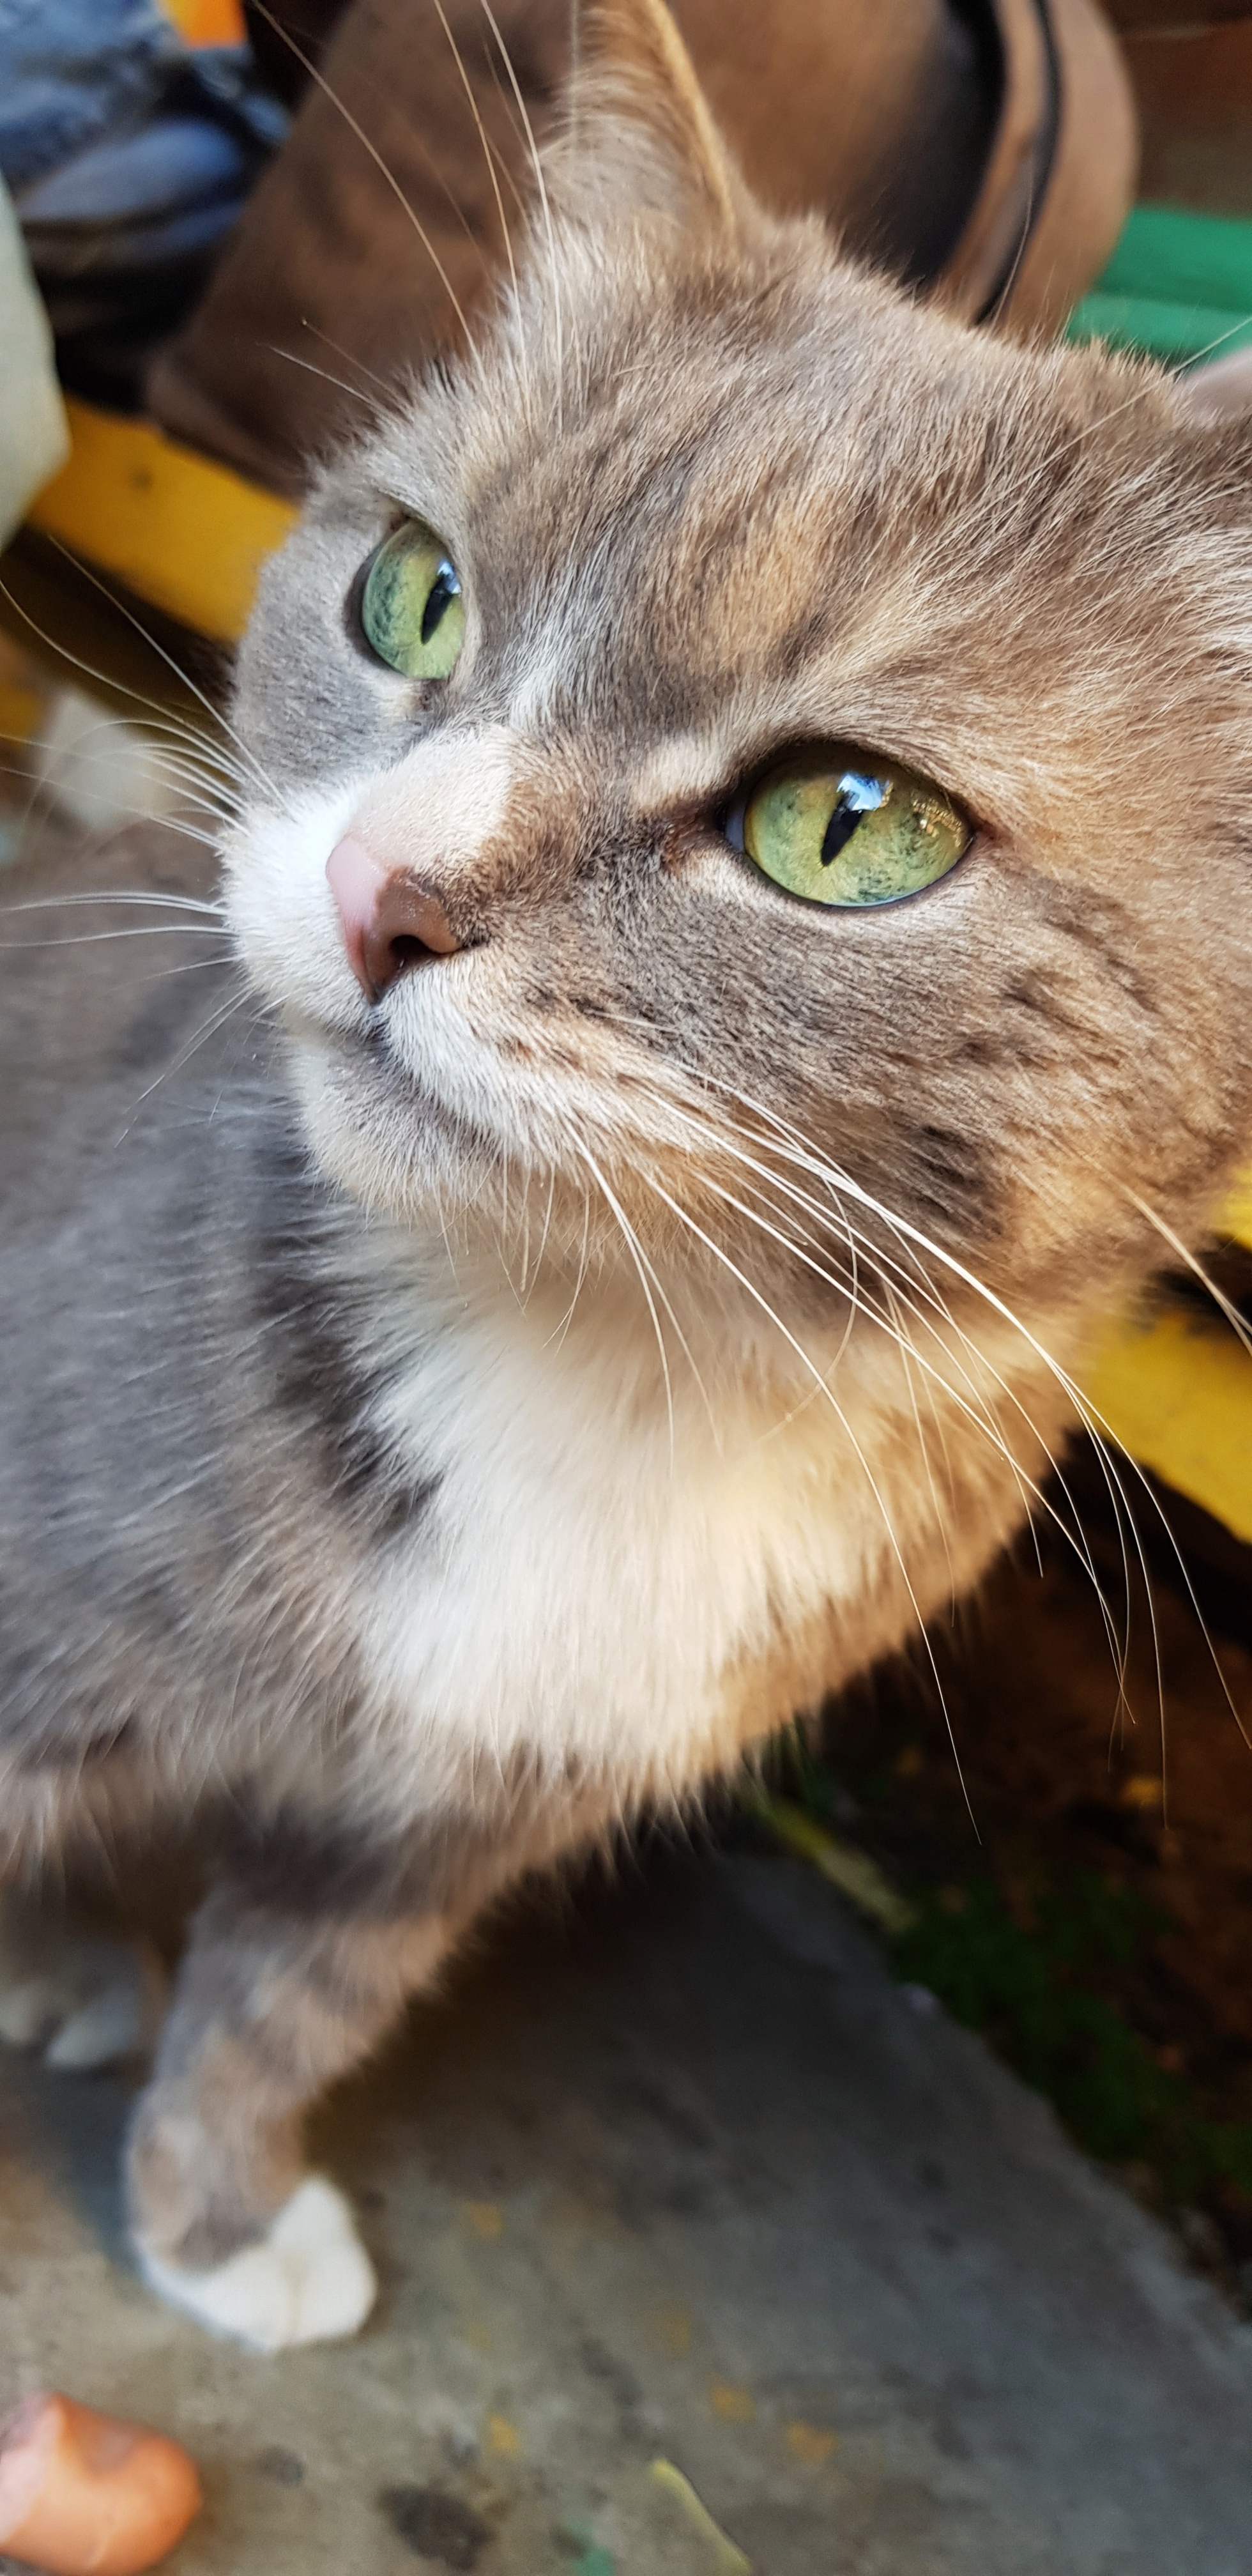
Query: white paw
[
  {"x": 82, "y": 1999},
  {"x": 308, "y": 2281}
]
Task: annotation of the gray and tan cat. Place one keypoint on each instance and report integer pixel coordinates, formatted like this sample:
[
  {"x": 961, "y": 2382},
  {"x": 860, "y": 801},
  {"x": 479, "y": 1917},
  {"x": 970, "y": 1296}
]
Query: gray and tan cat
[{"x": 647, "y": 1279}]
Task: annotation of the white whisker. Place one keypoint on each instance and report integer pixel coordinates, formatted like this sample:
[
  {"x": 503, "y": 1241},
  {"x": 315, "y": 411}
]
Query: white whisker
[
  {"x": 215, "y": 1021},
  {"x": 488, "y": 156},
  {"x": 545, "y": 203},
  {"x": 1098, "y": 1429},
  {"x": 375, "y": 156},
  {"x": 631, "y": 1241},
  {"x": 261, "y": 774},
  {"x": 763, "y": 1303},
  {"x": 1224, "y": 1304}
]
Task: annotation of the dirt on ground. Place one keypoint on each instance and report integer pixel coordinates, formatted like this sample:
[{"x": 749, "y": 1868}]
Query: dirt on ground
[{"x": 1078, "y": 1841}]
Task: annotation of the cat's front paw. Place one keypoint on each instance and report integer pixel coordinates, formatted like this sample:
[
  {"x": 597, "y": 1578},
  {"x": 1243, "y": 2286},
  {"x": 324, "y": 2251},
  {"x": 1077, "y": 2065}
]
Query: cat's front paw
[
  {"x": 309, "y": 2280},
  {"x": 81, "y": 1999}
]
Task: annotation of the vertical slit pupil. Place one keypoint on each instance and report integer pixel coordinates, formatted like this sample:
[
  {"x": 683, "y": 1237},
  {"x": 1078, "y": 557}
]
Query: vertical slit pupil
[
  {"x": 444, "y": 588},
  {"x": 857, "y": 797}
]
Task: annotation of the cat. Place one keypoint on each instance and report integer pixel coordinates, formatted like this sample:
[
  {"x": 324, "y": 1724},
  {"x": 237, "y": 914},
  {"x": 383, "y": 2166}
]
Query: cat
[{"x": 743, "y": 826}]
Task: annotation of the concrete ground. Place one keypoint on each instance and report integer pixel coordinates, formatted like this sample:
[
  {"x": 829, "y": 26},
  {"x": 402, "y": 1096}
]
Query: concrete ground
[{"x": 674, "y": 2172}]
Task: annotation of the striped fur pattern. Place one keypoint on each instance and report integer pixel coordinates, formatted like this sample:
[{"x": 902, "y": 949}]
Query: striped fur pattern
[{"x": 486, "y": 1412}]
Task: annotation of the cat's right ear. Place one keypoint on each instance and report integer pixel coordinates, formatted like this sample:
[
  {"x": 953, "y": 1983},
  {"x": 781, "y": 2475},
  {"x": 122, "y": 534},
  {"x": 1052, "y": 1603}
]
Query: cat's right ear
[{"x": 639, "y": 137}]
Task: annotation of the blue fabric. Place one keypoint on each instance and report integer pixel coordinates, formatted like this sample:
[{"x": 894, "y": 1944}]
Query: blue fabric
[
  {"x": 129, "y": 156},
  {"x": 176, "y": 161},
  {"x": 71, "y": 69}
]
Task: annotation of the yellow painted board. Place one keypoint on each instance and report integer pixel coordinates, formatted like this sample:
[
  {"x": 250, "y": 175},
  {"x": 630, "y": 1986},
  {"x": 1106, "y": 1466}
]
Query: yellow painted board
[
  {"x": 186, "y": 534},
  {"x": 1177, "y": 1393},
  {"x": 1236, "y": 1216}
]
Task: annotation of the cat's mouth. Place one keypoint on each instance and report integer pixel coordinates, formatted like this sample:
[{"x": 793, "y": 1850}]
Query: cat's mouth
[
  {"x": 379, "y": 1071},
  {"x": 383, "y": 1129},
  {"x": 438, "y": 1107}
]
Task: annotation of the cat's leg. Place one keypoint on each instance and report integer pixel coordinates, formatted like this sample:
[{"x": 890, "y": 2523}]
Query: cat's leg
[
  {"x": 270, "y": 2007},
  {"x": 81, "y": 1997}
]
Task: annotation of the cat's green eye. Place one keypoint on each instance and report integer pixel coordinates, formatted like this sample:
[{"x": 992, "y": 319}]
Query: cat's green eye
[
  {"x": 412, "y": 610},
  {"x": 842, "y": 826}
]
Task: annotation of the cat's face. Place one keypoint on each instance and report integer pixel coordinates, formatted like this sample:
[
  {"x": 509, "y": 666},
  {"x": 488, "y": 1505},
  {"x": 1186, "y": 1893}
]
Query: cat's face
[{"x": 721, "y": 509}]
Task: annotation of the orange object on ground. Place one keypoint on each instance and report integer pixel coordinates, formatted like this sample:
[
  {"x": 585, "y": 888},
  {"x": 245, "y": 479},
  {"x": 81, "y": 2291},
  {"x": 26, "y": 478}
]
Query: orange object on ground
[{"x": 83, "y": 2494}]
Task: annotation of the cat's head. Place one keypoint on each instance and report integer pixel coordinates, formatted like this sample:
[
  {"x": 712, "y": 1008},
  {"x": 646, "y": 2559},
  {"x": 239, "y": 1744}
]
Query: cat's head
[{"x": 760, "y": 731}]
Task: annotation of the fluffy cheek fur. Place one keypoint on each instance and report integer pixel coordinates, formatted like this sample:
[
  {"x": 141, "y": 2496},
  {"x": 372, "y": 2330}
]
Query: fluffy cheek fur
[
  {"x": 510, "y": 1064},
  {"x": 394, "y": 1103}
]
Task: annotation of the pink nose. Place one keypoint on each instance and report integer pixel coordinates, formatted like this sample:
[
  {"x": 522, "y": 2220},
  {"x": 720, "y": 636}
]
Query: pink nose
[{"x": 391, "y": 921}]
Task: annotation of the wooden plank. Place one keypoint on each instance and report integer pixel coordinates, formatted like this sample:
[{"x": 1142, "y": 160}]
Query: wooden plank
[
  {"x": 178, "y": 530},
  {"x": 1177, "y": 1392}
]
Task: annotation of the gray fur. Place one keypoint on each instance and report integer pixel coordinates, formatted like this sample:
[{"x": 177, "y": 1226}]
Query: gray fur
[{"x": 711, "y": 493}]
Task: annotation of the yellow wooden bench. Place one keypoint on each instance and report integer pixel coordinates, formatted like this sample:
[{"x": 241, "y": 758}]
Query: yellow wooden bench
[
  {"x": 185, "y": 535},
  {"x": 188, "y": 537}
]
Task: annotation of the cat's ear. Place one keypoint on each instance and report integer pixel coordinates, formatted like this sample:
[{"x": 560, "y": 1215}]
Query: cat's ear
[
  {"x": 1222, "y": 389},
  {"x": 639, "y": 137}
]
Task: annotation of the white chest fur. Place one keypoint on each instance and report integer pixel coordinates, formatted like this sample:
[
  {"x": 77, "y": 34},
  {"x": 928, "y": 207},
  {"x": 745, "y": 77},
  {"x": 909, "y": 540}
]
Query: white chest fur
[{"x": 590, "y": 1570}]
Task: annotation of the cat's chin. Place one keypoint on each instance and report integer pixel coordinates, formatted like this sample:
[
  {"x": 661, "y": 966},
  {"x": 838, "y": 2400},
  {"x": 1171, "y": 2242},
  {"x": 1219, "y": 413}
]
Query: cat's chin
[{"x": 394, "y": 1147}]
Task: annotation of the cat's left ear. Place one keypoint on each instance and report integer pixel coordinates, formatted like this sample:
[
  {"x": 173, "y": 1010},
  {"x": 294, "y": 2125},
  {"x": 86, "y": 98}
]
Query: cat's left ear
[{"x": 639, "y": 137}]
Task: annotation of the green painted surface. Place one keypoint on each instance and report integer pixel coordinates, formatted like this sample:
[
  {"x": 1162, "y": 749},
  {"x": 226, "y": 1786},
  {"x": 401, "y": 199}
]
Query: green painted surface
[
  {"x": 1179, "y": 333},
  {"x": 1178, "y": 286},
  {"x": 1163, "y": 251}
]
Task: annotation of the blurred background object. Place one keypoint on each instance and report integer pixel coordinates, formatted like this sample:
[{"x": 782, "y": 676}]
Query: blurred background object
[
  {"x": 1193, "y": 93},
  {"x": 34, "y": 435},
  {"x": 130, "y": 148},
  {"x": 983, "y": 150}
]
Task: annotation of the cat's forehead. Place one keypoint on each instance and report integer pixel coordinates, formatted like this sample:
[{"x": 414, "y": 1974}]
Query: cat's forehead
[
  {"x": 678, "y": 533},
  {"x": 734, "y": 510},
  {"x": 697, "y": 421}
]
